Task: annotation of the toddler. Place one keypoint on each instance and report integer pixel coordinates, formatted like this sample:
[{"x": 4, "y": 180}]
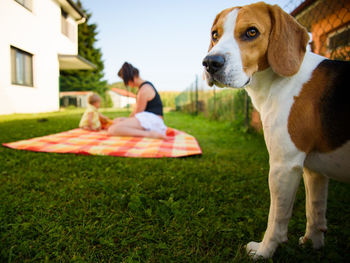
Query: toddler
[{"x": 92, "y": 119}]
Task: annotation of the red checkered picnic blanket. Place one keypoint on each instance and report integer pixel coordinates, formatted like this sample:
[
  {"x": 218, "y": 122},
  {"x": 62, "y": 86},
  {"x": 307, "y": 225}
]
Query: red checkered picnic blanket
[{"x": 80, "y": 141}]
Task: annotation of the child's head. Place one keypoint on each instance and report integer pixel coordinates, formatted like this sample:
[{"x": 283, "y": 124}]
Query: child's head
[{"x": 95, "y": 100}]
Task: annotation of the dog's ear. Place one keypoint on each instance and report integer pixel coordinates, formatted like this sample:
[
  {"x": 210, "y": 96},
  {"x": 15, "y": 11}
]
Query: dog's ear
[{"x": 287, "y": 44}]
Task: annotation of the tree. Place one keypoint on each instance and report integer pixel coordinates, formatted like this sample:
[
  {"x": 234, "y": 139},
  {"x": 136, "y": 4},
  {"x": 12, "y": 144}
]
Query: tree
[{"x": 86, "y": 80}]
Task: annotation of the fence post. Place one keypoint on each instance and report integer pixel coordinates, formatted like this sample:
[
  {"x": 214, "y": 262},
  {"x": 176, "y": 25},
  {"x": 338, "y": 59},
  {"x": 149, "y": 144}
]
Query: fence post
[
  {"x": 233, "y": 107},
  {"x": 196, "y": 94},
  {"x": 246, "y": 121},
  {"x": 191, "y": 99},
  {"x": 193, "y": 103},
  {"x": 214, "y": 102}
]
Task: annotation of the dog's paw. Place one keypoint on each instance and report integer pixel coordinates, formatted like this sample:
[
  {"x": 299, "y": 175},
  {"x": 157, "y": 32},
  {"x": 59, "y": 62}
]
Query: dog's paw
[
  {"x": 252, "y": 247},
  {"x": 259, "y": 251},
  {"x": 317, "y": 240},
  {"x": 252, "y": 250}
]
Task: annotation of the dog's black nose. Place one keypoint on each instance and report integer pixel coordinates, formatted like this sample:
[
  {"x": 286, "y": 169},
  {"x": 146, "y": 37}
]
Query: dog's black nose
[{"x": 213, "y": 63}]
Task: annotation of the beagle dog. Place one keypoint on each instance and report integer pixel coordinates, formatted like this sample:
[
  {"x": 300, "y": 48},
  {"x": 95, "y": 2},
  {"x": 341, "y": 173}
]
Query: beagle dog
[{"x": 303, "y": 100}]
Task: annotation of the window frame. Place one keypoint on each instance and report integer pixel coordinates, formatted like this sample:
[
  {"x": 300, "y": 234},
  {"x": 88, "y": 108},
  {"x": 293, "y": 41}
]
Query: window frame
[
  {"x": 336, "y": 33},
  {"x": 25, "y": 57},
  {"x": 27, "y": 4},
  {"x": 67, "y": 29}
]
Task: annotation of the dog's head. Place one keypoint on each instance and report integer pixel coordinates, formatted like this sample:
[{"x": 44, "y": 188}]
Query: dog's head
[{"x": 252, "y": 38}]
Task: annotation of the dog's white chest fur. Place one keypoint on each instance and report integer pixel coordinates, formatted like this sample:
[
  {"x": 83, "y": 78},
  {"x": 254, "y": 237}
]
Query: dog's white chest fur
[{"x": 273, "y": 96}]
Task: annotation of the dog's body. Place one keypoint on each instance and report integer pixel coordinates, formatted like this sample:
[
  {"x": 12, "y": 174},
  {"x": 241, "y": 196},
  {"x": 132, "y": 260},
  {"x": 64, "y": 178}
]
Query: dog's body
[{"x": 303, "y": 103}]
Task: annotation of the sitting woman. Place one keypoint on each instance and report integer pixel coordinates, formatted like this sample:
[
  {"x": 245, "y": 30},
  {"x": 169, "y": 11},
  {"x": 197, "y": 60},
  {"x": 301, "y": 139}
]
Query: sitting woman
[{"x": 146, "y": 120}]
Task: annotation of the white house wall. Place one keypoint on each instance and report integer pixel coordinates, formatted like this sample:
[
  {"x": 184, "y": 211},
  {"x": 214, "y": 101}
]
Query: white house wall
[
  {"x": 120, "y": 101},
  {"x": 37, "y": 32}
]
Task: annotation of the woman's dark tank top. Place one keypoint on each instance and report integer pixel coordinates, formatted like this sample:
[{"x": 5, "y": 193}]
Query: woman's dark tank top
[{"x": 154, "y": 105}]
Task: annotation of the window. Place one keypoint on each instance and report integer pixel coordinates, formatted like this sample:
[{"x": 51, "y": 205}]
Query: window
[
  {"x": 26, "y": 3},
  {"x": 21, "y": 67},
  {"x": 339, "y": 39},
  {"x": 67, "y": 28}
]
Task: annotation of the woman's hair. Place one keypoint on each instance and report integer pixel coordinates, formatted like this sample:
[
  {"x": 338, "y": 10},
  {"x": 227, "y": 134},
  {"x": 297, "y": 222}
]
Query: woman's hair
[
  {"x": 94, "y": 98},
  {"x": 128, "y": 72}
]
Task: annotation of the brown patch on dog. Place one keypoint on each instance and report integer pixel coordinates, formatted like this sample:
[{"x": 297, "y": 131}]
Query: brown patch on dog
[
  {"x": 287, "y": 45},
  {"x": 281, "y": 43},
  {"x": 218, "y": 25},
  {"x": 304, "y": 122},
  {"x": 253, "y": 52},
  {"x": 319, "y": 117}
]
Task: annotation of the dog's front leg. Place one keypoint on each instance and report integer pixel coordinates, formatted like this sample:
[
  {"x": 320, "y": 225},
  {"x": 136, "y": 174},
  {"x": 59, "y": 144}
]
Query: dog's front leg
[
  {"x": 316, "y": 187},
  {"x": 283, "y": 183}
]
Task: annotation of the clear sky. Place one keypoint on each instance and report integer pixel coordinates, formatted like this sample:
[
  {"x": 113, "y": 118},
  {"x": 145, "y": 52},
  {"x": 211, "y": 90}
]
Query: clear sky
[{"x": 165, "y": 39}]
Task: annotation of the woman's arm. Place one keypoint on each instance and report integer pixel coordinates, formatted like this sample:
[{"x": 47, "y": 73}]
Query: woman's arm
[
  {"x": 143, "y": 96},
  {"x": 103, "y": 117}
]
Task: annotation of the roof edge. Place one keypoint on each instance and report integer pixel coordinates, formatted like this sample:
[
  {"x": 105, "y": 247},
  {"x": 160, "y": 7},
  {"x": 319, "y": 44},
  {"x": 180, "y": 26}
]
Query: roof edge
[
  {"x": 76, "y": 8},
  {"x": 72, "y": 8},
  {"x": 84, "y": 60},
  {"x": 304, "y": 5}
]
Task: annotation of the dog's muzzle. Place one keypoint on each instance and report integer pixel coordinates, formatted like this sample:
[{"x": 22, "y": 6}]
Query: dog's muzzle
[
  {"x": 213, "y": 63},
  {"x": 216, "y": 73}
]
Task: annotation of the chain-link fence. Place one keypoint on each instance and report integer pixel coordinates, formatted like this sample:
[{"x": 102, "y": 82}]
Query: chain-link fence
[
  {"x": 328, "y": 22},
  {"x": 214, "y": 103}
]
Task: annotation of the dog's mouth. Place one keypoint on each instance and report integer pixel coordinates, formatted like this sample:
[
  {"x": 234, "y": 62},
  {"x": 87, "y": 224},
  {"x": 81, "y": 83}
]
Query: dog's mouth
[
  {"x": 211, "y": 81},
  {"x": 220, "y": 80},
  {"x": 248, "y": 82}
]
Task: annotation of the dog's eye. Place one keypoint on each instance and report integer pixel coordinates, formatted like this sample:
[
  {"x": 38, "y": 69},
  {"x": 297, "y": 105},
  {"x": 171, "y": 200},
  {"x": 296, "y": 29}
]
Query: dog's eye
[
  {"x": 214, "y": 36},
  {"x": 251, "y": 33}
]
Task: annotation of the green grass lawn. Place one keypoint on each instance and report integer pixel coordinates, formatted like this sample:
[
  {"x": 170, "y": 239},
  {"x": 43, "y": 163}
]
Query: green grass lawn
[{"x": 75, "y": 208}]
